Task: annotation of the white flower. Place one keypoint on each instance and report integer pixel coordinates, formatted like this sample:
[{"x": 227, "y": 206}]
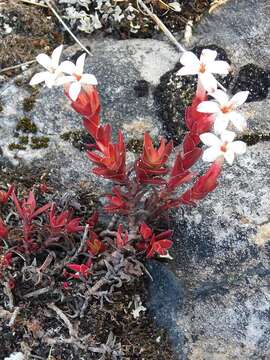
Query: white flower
[
  {"x": 224, "y": 110},
  {"x": 222, "y": 147},
  {"x": 77, "y": 78},
  {"x": 204, "y": 67},
  {"x": 51, "y": 64}
]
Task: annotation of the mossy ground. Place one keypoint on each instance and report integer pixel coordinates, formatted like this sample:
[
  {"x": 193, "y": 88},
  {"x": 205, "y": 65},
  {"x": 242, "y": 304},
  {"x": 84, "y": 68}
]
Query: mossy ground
[
  {"x": 34, "y": 30},
  {"x": 140, "y": 338}
]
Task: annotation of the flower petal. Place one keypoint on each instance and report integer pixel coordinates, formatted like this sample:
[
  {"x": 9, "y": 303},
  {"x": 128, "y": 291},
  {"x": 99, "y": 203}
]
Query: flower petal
[
  {"x": 227, "y": 136},
  {"x": 209, "y": 107},
  {"x": 221, "y": 96},
  {"x": 188, "y": 70},
  {"x": 239, "y": 99},
  {"x": 74, "y": 90},
  {"x": 64, "y": 79},
  {"x": 239, "y": 147},
  {"x": 56, "y": 54},
  {"x": 50, "y": 80},
  {"x": 80, "y": 64},
  {"x": 219, "y": 67},
  {"x": 189, "y": 59},
  {"x": 208, "y": 56},
  {"x": 45, "y": 61},
  {"x": 67, "y": 67},
  {"x": 238, "y": 121},
  {"x": 38, "y": 78},
  {"x": 220, "y": 124},
  {"x": 211, "y": 154},
  {"x": 88, "y": 79},
  {"x": 229, "y": 156},
  {"x": 210, "y": 139},
  {"x": 208, "y": 81}
]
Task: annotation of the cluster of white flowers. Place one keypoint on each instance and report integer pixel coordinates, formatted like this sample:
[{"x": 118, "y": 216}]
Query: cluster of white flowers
[
  {"x": 223, "y": 108},
  {"x": 63, "y": 73}
]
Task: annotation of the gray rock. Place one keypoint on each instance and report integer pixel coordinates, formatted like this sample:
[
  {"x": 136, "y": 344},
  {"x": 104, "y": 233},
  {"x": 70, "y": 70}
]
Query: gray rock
[
  {"x": 221, "y": 266},
  {"x": 241, "y": 28},
  {"x": 216, "y": 299}
]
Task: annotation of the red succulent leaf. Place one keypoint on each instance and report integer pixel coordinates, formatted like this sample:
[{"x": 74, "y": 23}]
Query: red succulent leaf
[
  {"x": 95, "y": 246},
  {"x": 63, "y": 222},
  {"x": 159, "y": 247},
  {"x": 145, "y": 231},
  {"x": 80, "y": 269},
  {"x": 3, "y": 229},
  {"x": 73, "y": 226},
  {"x": 154, "y": 158},
  {"x": 196, "y": 121},
  {"x": 11, "y": 283},
  {"x": 112, "y": 165},
  {"x": 190, "y": 158},
  {"x": 164, "y": 235},
  {"x": 4, "y": 195},
  {"x": 121, "y": 240},
  {"x": 204, "y": 185},
  {"x": 151, "y": 163},
  {"x": 87, "y": 102},
  {"x": 92, "y": 221},
  {"x": 117, "y": 202},
  {"x": 91, "y": 125},
  {"x": 27, "y": 209}
]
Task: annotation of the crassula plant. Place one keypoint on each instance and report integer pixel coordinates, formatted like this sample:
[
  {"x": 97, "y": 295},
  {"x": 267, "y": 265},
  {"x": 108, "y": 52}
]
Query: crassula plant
[{"x": 161, "y": 178}]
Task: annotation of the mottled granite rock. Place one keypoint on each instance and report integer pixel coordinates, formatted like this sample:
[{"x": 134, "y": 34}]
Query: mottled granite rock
[
  {"x": 214, "y": 297},
  {"x": 240, "y": 27},
  {"x": 217, "y": 298}
]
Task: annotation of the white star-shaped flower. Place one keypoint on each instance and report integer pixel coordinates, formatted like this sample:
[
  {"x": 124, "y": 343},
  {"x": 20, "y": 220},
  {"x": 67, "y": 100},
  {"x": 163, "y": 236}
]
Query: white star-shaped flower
[
  {"x": 204, "y": 67},
  {"x": 76, "y": 76},
  {"x": 222, "y": 147},
  {"x": 224, "y": 110},
  {"x": 51, "y": 64}
]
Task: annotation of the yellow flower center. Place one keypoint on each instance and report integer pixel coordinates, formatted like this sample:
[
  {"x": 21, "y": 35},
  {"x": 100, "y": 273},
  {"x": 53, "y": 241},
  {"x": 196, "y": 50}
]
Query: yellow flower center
[{"x": 202, "y": 68}]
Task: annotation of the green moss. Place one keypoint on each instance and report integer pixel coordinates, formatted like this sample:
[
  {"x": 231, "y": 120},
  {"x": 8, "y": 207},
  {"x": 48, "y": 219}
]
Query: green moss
[
  {"x": 252, "y": 139},
  {"x": 23, "y": 140},
  {"x": 39, "y": 142},
  {"x": 76, "y": 135},
  {"x": 14, "y": 146},
  {"x": 28, "y": 103},
  {"x": 135, "y": 145},
  {"x": 78, "y": 138},
  {"x": 19, "y": 82},
  {"x": 26, "y": 125}
]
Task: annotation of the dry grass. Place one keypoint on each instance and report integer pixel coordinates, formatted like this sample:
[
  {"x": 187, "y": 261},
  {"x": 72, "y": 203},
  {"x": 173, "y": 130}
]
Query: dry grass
[{"x": 34, "y": 30}]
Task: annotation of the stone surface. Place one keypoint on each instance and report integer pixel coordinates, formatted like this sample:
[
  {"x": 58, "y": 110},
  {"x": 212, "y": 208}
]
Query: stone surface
[
  {"x": 214, "y": 296},
  {"x": 216, "y": 299},
  {"x": 241, "y": 28}
]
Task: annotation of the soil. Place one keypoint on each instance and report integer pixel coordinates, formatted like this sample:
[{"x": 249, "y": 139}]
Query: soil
[
  {"x": 36, "y": 324},
  {"x": 33, "y": 31}
]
